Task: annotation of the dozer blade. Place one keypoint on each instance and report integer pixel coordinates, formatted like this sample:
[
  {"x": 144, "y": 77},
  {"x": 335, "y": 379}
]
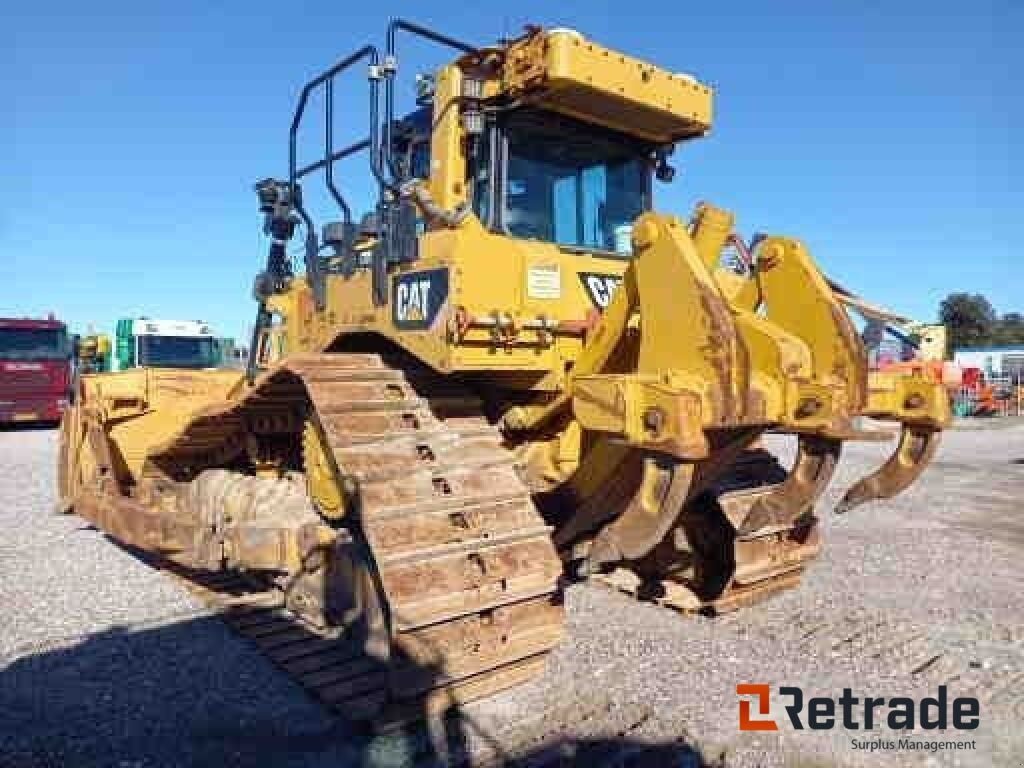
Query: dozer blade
[{"x": 914, "y": 452}]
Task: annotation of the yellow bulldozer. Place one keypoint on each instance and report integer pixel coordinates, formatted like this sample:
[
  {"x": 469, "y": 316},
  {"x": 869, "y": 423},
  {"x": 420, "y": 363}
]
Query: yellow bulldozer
[{"x": 513, "y": 373}]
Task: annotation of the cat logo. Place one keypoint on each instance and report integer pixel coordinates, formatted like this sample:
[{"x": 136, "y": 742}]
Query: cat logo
[
  {"x": 413, "y": 299},
  {"x": 417, "y": 297},
  {"x": 600, "y": 287}
]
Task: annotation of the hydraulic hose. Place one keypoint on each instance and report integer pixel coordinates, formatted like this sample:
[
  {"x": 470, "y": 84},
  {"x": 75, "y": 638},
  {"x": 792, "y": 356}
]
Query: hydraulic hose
[{"x": 417, "y": 191}]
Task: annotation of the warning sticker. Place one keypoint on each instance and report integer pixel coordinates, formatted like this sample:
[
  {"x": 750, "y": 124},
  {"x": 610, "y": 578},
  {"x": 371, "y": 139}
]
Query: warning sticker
[{"x": 544, "y": 281}]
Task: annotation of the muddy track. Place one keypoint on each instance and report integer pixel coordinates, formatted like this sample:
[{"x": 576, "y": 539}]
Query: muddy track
[
  {"x": 443, "y": 560},
  {"x": 464, "y": 560},
  {"x": 332, "y": 670}
]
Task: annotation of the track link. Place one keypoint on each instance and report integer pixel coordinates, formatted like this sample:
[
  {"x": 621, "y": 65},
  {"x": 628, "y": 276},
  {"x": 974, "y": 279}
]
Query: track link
[
  {"x": 331, "y": 669},
  {"x": 441, "y": 554}
]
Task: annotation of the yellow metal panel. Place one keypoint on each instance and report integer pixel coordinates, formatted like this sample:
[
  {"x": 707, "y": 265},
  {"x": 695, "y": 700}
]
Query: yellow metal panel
[
  {"x": 908, "y": 399},
  {"x": 144, "y": 407},
  {"x": 676, "y": 294},
  {"x": 566, "y": 73},
  {"x": 447, "y": 157},
  {"x": 526, "y": 280},
  {"x": 712, "y": 228},
  {"x": 643, "y": 410},
  {"x": 742, "y": 291},
  {"x": 799, "y": 300}
]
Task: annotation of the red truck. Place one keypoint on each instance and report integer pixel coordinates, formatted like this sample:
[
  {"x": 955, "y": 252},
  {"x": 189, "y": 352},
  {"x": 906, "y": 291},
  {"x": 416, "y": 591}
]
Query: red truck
[{"x": 35, "y": 369}]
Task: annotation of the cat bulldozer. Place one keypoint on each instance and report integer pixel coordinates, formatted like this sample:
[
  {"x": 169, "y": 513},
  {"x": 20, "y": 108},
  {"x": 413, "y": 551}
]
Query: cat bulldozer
[{"x": 511, "y": 374}]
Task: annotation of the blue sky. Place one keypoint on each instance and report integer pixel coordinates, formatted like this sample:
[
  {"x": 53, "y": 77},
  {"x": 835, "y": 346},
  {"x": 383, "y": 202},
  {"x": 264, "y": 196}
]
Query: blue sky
[{"x": 886, "y": 135}]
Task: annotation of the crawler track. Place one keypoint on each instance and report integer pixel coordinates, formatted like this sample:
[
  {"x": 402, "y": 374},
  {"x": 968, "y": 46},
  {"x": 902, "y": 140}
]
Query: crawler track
[
  {"x": 436, "y": 579},
  {"x": 442, "y": 568},
  {"x": 330, "y": 669},
  {"x": 729, "y": 566}
]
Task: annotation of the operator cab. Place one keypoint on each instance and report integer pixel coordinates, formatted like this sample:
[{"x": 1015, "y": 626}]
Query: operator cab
[
  {"x": 552, "y": 178},
  {"x": 543, "y": 176}
]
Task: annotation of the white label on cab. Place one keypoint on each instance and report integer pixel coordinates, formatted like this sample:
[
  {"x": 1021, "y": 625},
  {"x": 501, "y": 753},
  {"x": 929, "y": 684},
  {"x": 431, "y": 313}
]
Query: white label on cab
[{"x": 544, "y": 281}]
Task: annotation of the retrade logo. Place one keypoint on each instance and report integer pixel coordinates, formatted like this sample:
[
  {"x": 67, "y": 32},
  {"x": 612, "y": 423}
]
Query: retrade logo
[
  {"x": 823, "y": 713},
  {"x": 764, "y": 707}
]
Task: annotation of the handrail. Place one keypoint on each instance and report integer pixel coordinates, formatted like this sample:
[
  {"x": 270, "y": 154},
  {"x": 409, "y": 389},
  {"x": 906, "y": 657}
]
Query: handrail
[
  {"x": 379, "y": 142},
  {"x": 346, "y": 212},
  {"x": 341, "y": 154},
  {"x": 382, "y": 160},
  {"x": 389, "y": 84},
  {"x": 326, "y": 79}
]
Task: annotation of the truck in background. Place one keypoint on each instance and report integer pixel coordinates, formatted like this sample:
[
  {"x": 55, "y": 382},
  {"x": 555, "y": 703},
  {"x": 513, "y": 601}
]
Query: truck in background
[
  {"x": 35, "y": 369},
  {"x": 145, "y": 342},
  {"x": 231, "y": 355},
  {"x": 93, "y": 352}
]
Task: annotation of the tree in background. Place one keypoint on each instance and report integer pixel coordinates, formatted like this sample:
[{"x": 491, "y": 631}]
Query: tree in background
[
  {"x": 969, "y": 319},
  {"x": 972, "y": 322},
  {"x": 1009, "y": 329}
]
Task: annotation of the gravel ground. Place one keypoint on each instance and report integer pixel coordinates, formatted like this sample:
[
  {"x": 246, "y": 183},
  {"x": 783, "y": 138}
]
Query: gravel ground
[{"x": 106, "y": 662}]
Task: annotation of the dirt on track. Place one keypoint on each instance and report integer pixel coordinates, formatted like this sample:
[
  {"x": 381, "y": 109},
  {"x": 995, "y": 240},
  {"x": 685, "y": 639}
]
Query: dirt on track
[{"x": 105, "y": 661}]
